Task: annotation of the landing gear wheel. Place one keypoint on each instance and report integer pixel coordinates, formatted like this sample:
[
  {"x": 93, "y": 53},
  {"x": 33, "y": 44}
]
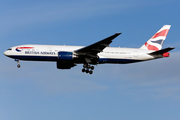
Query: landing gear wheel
[
  {"x": 83, "y": 70},
  {"x": 87, "y": 68},
  {"x": 92, "y": 67},
  {"x": 84, "y": 65},
  {"x": 91, "y": 72},
  {"x": 87, "y": 71},
  {"x": 18, "y": 65}
]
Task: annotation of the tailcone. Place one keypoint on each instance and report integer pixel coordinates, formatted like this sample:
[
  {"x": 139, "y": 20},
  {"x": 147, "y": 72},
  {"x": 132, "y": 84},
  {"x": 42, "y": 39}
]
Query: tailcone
[{"x": 167, "y": 54}]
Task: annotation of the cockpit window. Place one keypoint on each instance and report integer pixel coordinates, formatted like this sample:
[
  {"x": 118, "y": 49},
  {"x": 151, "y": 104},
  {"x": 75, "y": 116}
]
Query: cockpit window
[{"x": 10, "y": 49}]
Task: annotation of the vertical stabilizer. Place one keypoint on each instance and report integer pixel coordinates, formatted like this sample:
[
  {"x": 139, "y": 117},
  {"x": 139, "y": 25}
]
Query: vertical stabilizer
[{"x": 155, "y": 42}]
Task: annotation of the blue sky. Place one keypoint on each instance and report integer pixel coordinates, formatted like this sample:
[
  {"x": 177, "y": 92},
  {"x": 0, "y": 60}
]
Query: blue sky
[{"x": 147, "y": 90}]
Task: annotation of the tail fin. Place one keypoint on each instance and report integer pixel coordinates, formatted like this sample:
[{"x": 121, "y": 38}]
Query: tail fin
[{"x": 155, "y": 42}]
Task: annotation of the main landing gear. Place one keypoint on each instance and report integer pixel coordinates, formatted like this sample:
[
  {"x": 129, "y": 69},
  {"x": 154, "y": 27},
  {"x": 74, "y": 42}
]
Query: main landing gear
[
  {"x": 88, "y": 69},
  {"x": 18, "y": 63}
]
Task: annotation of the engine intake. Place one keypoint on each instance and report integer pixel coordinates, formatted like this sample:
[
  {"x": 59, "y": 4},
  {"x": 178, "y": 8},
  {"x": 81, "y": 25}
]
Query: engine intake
[
  {"x": 65, "y": 60},
  {"x": 68, "y": 56}
]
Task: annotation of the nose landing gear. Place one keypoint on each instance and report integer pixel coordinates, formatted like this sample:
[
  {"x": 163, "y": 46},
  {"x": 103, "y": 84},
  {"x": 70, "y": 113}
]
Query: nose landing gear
[
  {"x": 18, "y": 63},
  {"x": 88, "y": 69}
]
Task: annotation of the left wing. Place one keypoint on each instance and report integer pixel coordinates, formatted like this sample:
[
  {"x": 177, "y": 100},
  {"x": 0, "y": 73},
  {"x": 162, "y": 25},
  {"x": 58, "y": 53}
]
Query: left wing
[{"x": 94, "y": 49}]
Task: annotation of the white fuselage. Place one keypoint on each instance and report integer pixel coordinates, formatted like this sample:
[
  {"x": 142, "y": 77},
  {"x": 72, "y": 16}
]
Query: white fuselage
[
  {"x": 67, "y": 57},
  {"x": 50, "y": 53}
]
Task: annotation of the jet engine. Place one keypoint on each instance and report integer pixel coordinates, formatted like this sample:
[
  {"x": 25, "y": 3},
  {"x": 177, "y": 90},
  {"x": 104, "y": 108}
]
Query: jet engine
[
  {"x": 65, "y": 56},
  {"x": 65, "y": 60}
]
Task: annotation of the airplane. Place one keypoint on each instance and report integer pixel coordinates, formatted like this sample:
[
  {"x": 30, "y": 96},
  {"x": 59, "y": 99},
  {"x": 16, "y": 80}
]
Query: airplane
[{"x": 100, "y": 52}]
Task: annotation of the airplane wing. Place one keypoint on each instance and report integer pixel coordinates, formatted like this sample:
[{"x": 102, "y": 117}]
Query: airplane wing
[{"x": 94, "y": 49}]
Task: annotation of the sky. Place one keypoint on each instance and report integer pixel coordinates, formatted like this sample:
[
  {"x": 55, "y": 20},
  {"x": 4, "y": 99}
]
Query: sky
[{"x": 147, "y": 90}]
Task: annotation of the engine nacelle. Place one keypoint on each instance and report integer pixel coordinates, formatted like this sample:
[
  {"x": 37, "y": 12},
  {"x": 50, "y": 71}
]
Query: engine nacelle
[
  {"x": 65, "y": 56},
  {"x": 65, "y": 65}
]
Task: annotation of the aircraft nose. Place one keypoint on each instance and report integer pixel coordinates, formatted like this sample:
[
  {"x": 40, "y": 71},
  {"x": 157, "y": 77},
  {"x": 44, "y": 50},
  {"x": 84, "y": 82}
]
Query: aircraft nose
[{"x": 6, "y": 53}]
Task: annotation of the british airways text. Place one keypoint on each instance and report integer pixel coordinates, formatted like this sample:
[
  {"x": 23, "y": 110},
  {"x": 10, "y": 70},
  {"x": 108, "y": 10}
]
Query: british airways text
[{"x": 43, "y": 53}]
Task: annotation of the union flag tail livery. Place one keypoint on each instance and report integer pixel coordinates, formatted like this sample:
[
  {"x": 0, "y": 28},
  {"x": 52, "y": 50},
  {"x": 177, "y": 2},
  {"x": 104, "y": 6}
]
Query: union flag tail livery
[
  {"x": 67, "y": 57},
  {"x": 155, "y": 42}
]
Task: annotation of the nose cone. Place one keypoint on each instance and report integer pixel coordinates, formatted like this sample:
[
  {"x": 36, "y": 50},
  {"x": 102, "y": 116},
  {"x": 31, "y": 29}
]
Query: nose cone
[{"x": 6, "y": 53}]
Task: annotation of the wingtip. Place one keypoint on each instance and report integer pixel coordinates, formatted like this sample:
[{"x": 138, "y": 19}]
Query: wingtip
[
  {"x": 171, "y": 48},
  {"x": 118, "y": 33}
]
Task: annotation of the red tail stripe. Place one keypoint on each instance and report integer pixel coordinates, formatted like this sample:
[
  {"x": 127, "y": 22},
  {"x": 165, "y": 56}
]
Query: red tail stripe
[
  {"x": 162, "y": 33},
  {"x": 151, "y": 47}
]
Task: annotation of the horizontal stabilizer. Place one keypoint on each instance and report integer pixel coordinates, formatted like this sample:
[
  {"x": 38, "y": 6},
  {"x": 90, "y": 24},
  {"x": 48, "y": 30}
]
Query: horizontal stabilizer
[{"x": 162, "y": 51}]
